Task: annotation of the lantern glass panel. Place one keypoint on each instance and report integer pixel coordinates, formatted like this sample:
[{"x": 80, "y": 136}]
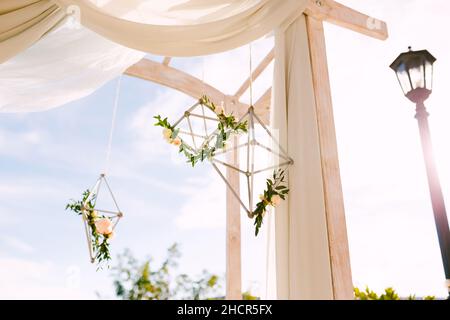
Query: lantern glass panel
[
  {"x": 429, "y": 75},
  {"x": 417, "y": 72},
  {"x": 403, "y": 78}
]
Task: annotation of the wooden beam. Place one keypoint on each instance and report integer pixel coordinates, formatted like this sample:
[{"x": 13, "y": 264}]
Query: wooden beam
[
  {"x": 262, "y": 106},
  {"x": 233, "y": 227},
  {"x": 338, "y": 14},
  {"x": 166, "y": 61},
  {"x": 255, "y": 74},
  {"x": 176, "y": 79},
  {"x": 334, "y": 201}
]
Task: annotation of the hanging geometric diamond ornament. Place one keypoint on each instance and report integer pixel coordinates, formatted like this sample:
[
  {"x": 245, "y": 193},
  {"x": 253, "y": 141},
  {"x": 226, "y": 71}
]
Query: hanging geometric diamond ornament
[
  {"x": 202, "y": 134},
  {"x": 203, "y": 129},
  {"x": 257, "y": 143},
  {"x": 99, "y": 219}
]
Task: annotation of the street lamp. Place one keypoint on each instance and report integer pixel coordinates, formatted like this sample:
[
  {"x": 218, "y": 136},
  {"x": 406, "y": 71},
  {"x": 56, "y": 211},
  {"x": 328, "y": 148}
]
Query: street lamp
[{"x": 414, "y": 71}]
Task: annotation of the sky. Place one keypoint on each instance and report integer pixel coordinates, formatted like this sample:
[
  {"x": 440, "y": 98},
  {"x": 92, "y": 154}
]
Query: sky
[{"x": 50, "y": 157}]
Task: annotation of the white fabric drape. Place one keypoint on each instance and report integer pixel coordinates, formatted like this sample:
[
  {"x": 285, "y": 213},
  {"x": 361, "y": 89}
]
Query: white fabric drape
[
  {"x": 64, "y": 66},
  {"x": 210, "y": 26},
  {"x": 23, "y": 22},
  {"x": 68, "y": 64},
  {"x": 299, "y": 252}
]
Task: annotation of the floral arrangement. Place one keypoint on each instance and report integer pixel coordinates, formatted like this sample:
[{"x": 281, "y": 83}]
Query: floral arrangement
[
  {"x": 101, "y": 227},
  {"x": 272, "y": 196},
  {"x": 275, "y": 191},
  {"x": 227, "y": 125}
]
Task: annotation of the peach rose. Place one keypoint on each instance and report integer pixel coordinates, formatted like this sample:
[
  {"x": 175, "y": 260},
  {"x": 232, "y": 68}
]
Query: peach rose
[
  {"x": 275, "y": 200},
  {"x": 176, "y": 141},
  {"x": 104, "y": 226}
]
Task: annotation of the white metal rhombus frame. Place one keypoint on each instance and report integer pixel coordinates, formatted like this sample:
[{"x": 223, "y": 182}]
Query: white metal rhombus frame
[
  {"x": 249, "y": 171},
  {"x": 197, "y": 137},
  {"x": 114, "y": 214}
]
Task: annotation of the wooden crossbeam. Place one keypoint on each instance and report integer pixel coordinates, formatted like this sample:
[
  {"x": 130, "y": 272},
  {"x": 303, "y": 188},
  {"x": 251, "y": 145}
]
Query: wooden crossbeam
[
  {"x": 255, "y": 74},
  {"x": 176, "y": 79},
  {"x": 262, "y": 106},
  {"x": 338, "y": 14}
]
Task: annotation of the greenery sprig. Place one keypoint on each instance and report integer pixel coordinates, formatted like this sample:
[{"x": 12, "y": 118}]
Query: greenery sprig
[
  {"x": 100, "y": 241},
  {"x": 272, "y": 196},
  {"x": 227, "y": 126}
]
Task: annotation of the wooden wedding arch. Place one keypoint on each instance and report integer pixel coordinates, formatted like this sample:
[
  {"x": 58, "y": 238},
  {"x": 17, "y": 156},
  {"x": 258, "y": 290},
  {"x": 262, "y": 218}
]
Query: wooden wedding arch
[{"x": 317, "y": 11}]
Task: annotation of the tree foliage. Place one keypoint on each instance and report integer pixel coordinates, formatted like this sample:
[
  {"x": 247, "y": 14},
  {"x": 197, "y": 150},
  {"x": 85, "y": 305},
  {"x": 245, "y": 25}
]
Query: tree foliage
[
  {"x": 136, "y": 280},
  {"x": 388, "y": 294}
]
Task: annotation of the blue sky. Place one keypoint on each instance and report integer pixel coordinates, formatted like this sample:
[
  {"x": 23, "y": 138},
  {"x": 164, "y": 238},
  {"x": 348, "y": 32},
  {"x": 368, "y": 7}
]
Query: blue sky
[{"x": 50, "y": 157}]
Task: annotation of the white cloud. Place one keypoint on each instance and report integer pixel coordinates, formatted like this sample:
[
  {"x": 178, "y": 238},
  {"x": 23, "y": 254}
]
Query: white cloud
[
  {"x": 19, "y": 144},
  {"x": 16, "y": 244},
  {"x": 204, "y": 207},
  {"x": 27, "y": 279}
]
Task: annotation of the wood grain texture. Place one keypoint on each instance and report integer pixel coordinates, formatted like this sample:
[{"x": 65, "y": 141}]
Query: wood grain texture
[
  {"x": 338, "y": 14},
  {"x": 334, "y": 202},
  {"x": 179, "y": 80},
  {"x": 233, "y": 231}
]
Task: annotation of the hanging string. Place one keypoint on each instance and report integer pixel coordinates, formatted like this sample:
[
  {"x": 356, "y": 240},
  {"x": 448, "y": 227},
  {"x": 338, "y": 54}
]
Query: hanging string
[
  {"x": 113, "y": 122},
  {"x": 251, "y": 73},
  {"x": 204, "y": 93}
]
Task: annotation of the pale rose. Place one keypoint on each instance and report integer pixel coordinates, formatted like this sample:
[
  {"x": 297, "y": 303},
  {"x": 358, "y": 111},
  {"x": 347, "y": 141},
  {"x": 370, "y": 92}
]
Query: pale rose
[
  {"x": 167, "y": 133},
  {"x": 104, "y": 226},
  {"x": 275, "y": 200},
  {"x": 176, "y": 141}
]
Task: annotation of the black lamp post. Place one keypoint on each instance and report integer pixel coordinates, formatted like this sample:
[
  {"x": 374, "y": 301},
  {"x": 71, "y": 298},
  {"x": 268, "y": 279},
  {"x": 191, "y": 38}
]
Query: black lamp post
[{"x": 414, "y": 71}]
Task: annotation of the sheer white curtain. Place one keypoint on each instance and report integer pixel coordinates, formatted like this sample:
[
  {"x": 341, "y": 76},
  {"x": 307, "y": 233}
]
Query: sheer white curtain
[
  {"x": 298, "y": 252},
  {"x": 67, "y": 64},
  {"x": 183, "y": 28},
  {"x": 64, "y": 66}
]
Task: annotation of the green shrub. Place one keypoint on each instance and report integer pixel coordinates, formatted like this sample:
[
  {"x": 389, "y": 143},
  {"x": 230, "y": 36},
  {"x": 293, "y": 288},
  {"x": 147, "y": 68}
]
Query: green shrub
[{"x": 389, "y": 294}]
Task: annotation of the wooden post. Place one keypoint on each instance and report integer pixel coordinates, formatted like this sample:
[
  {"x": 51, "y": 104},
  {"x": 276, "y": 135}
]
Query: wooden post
[
  {"x": 233, "y": 230},
  {"x": 334, "y": 203}
]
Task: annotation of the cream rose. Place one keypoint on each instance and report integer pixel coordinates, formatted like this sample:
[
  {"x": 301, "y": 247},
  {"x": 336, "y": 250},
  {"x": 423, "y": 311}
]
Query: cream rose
[
  {"x": 94, "y": 214},
  {"x": 167, "y": 134},
  {"x": 275, "y": 200},
  {"x": 104, "y": 226}
]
